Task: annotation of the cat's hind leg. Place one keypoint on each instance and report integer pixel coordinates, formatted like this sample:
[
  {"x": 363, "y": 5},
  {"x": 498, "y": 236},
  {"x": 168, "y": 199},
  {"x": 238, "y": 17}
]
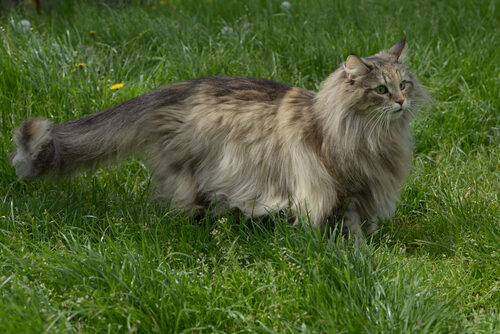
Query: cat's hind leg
[{"x": 179, "y": 188}]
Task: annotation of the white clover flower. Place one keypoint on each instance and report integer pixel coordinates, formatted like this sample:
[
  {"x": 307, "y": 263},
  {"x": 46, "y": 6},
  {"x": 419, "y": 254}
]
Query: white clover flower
[
  {"x": 24, "y": 25},
  {"x": 285, "y": 5},
  {"x": 226, "y": 30}
]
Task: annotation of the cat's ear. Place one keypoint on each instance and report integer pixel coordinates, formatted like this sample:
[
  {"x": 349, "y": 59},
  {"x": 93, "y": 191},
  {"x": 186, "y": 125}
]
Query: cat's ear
[
  {"x": 354, "y": 66},
  {"x": 398, "y": 51}
]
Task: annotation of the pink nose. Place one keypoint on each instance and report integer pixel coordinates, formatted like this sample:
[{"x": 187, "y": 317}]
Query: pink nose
[{"x": 400, "y": 101}]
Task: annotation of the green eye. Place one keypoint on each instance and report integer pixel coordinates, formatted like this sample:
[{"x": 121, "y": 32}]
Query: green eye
[
  {"x": 402, "y": 85},
  {"x": 381, "y": 89}
]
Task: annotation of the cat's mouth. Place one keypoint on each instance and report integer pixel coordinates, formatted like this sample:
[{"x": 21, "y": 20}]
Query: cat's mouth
[
  {"x": 397, "y": 110},
  {"x": 395, "y": 114}
]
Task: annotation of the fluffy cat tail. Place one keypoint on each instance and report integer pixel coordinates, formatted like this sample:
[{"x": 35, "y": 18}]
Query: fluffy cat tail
[{"x": 46, "y": 148}]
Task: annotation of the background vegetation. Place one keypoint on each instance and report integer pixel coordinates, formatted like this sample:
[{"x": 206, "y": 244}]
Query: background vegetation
[{"x": 94, "y": 253}]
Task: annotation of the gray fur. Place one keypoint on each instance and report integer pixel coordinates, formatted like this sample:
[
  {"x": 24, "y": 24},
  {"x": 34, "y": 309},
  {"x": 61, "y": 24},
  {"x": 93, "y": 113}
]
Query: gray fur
[{"x": 219, "y": 143}]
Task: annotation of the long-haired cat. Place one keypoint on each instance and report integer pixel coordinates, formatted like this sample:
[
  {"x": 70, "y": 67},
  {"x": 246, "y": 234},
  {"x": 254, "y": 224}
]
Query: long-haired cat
[{"x": 221, "y": 142}]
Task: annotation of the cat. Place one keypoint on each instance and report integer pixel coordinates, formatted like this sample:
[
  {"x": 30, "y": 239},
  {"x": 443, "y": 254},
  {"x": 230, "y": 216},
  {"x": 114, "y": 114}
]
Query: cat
[{"x": 219, "y": 143}]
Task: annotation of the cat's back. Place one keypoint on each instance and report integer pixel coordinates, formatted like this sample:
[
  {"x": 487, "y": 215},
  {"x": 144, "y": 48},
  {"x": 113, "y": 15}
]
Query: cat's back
[
  {"x": 215, "y": 90},
  {"x": 239, "y": 106}
]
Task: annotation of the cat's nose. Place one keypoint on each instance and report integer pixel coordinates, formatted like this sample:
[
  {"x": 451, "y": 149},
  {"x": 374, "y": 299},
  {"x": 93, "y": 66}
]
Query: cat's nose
[{"x": 400, "y": 101}]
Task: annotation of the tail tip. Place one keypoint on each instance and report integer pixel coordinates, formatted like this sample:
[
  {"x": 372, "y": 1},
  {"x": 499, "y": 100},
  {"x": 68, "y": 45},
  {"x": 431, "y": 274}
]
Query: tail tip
[{"x": 30, "y": 137}]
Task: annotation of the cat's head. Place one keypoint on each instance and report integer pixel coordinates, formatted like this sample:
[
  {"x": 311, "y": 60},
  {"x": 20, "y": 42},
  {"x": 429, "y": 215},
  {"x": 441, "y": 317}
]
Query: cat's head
[{"x": 381, "y": 84}]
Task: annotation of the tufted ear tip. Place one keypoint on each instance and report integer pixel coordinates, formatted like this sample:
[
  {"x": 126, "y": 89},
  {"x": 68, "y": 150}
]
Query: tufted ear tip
[
  {"x": 354, "y": 66},
  {"x": 398, "y": 51}
]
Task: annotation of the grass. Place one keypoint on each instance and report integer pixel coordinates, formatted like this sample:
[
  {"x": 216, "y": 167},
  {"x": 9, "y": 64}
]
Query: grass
[{"x": 94, "y": 253}]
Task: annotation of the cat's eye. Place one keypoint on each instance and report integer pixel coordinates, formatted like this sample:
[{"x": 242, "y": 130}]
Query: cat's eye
[
  {"x": 402, "y": 85},
  {"x": 381, "y": 89}
]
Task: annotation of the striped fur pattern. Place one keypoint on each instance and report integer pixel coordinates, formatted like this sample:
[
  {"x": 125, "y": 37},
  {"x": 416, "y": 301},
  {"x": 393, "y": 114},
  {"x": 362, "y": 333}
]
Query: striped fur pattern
[{"x": 219, "y": 143}]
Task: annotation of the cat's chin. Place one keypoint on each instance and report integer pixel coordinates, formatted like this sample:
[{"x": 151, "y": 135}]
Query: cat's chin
[{"x": 396, "y": 114}]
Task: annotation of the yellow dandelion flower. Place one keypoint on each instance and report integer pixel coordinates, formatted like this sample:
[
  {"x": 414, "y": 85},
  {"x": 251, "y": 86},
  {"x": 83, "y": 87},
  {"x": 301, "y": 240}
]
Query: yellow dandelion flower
[
  {"x": 116, "y": 86},
  {"x": 81, "y": 65},
  {"x": 92, "y": 32}
]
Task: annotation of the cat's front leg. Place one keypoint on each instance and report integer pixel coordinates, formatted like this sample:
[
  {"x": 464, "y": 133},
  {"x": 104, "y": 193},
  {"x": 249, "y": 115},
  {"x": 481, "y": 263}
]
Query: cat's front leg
[
  {"x": 370, "y": 227},
  {"x": 352, "y": 221}
]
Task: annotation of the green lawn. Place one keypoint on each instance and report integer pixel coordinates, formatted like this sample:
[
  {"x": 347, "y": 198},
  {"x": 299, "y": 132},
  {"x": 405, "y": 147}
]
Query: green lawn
[{"x": 95, "y": 253}]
